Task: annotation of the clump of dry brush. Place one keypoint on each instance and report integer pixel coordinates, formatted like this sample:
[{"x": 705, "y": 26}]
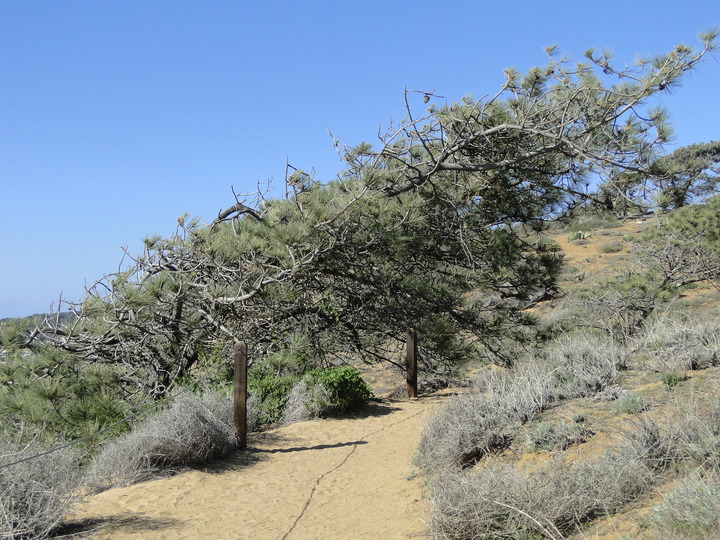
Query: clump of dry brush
[
  {"x": 35, "y": 494},
  {"x": 475, "y": 495}
]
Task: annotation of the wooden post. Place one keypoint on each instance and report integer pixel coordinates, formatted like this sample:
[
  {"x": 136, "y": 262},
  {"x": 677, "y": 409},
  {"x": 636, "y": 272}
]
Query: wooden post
[
  {"x": 411, "y": 362},
  {"x": 240, "y": 394}
]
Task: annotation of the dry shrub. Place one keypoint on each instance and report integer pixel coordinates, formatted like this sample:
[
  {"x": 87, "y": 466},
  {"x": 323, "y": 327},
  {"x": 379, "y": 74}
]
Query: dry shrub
[
  {"x": 694, "y": 433},
  {"x": 478, "y": 422},
  {"x": 187, "y": 433},
  {"x": 499, "y": 502},
  {"x": 466, "y": 505},
  {"x": 555, "y": 436},
  {"x": 297, "y": 406},
  {"x": 690, "y": 511},
  {"x": 644, "y": 439},
  {"x": 220, "y": 404},
  {"x": 305, "y": 402},
  {"x": 36, "y": 494},
  {"x": 682, "y": 344},
  {"x": 462, "y": 432},
  {"x": 475, "y": 423},
  {"x": 690, "y": 437},
  {"x": 584, "y": 364}
]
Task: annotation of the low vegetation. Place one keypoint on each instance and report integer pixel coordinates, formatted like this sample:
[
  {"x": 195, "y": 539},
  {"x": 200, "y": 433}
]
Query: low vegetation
[
  {"x": 190, "y": 431},
  {"x": 35, "y": 494},
  {"x": 482, "y": 421},
  {"x": 478, "y": 488},
  {"x": 690, "y": 510}
]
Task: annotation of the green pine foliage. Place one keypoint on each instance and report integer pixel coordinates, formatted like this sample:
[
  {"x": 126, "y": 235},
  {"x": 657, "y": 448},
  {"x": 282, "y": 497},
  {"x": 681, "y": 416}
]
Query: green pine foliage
[{"x": 58, "y": 394}]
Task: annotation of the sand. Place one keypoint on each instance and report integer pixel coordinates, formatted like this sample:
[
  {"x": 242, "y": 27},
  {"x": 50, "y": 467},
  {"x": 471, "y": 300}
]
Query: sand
[{"x": 341, "y": 478}]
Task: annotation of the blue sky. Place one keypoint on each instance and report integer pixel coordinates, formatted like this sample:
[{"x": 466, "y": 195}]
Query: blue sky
[{"x": 118, "y": 117}]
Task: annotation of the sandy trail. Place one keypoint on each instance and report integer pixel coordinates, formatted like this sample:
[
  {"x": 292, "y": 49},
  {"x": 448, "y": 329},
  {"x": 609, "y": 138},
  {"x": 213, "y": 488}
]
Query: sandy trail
[{"x": 347, "y": 478}]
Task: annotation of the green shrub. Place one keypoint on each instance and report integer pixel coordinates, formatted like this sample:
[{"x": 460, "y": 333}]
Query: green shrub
[
  {"x": 272, "y": 393},
  {"x": 629, "y": 404},
  {"x": 346, "y": 390},
  {"x": 611, "y": 247},
  {"x": 672, "y": 379},
  {"x": 577, "y": 235}
]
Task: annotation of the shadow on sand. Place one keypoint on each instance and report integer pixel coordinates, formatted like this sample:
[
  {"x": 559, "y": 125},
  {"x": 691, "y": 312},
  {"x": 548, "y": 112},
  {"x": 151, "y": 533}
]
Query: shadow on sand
[
  {"x": 85, "y": 528},
  {"x": 301, "y": 448}
]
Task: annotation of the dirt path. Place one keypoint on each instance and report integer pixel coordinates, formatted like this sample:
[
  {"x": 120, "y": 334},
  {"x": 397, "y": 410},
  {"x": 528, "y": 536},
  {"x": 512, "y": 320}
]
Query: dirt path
[{"x": 349, "y": 478}]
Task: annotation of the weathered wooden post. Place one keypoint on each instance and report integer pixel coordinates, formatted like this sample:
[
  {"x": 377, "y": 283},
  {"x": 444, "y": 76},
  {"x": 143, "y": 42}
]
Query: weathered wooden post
[
  {"x": 411, "y": 362},
  {"x": 240, "y": 394}
]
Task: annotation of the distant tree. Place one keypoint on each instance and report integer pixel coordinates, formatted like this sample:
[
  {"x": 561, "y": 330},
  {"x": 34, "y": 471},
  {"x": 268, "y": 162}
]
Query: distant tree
[
  {"x": 687, "y": 175},
  {"x": 438, "y": 227},
  {"x": 684, "y": 246}
]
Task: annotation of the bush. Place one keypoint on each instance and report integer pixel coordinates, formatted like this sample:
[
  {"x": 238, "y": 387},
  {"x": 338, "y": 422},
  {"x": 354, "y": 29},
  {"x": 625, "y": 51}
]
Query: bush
[
  {"x": 474, "y": 424},
  {"x": 326, "y": 392},
  {"x": 583, "y": 364},
  {"x": 499, "y": 502},
  {"x": 303, "y": 402},
  {"x": 691, "y": 511},
  {"x": 611, "y": 247},
  {"x": 684, "y": 246},
  {"x": 469, "y": 427},
  {"x": 577, "y": 235},
  {"x": 678, "y": 345},
  {"x": 694, "y": 433},
  {"x": 186, "y": 433},
  {"x": 272, "y": 393},
  {"x": 346, "y": 390},
  {"x": 645, "y": 441},
  {"x": 481, "y": 421},
  {"x": 620, "y": 306},
  {"x": 555, "y": 436},
  {"x": 629, "y": 404},
  {"x": 35, "y": 494},
  {"x": 671, "y": 380}
]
